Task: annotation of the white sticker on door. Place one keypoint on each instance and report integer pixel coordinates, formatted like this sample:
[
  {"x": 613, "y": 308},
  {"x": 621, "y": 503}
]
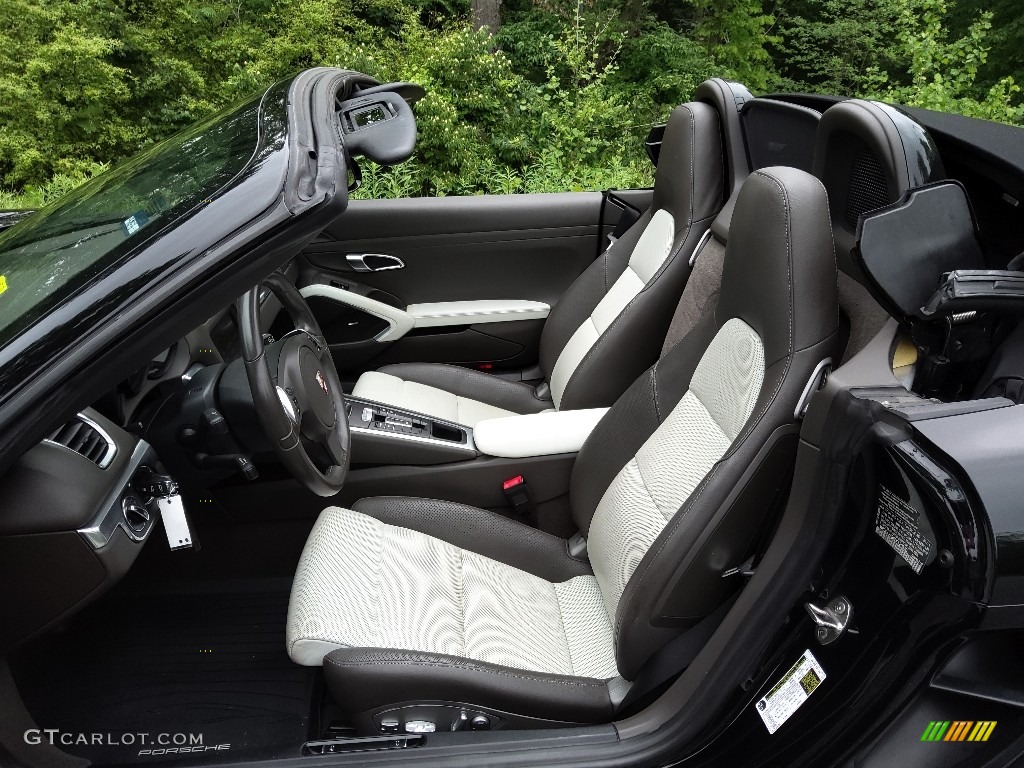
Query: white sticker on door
[{"x": 785, "y": 698}]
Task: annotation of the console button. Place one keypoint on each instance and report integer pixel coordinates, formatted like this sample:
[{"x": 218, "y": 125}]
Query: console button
[{"x": 419, "y": 726}]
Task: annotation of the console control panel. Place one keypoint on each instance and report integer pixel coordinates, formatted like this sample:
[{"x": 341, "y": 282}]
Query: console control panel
[
  {"x": 388, "y": 420},
  {"x": 385, "y": 435},
  {"x": 394, "y": 421}
]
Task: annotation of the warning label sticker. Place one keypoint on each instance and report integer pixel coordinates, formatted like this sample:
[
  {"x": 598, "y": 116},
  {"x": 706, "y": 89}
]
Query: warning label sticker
[
  {"x": 795, "y": 687},
  {"x": 897, "y": 523}
]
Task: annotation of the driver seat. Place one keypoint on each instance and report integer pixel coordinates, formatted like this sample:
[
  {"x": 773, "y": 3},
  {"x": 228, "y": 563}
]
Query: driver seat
[{"x": 422, "y": 611}]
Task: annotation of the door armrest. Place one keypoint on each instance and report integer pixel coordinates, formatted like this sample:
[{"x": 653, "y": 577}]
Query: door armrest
[
  {"x": 475, "y": 312},
  {"x": 399, "y": 321}
]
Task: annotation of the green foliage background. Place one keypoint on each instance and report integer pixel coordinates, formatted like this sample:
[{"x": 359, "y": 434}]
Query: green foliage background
[{"x": 560, "y": 98}]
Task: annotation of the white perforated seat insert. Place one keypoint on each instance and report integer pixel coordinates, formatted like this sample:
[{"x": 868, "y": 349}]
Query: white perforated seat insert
[
  {"x": 649, "y": 490},
  {"x": 363, "y": 583}
]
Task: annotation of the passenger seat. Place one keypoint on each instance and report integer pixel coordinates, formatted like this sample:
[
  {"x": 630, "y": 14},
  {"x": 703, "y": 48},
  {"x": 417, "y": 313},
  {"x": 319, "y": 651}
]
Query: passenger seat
[
  {"x": 868, "y": 155},
  {"x": 609, "y": 325}
]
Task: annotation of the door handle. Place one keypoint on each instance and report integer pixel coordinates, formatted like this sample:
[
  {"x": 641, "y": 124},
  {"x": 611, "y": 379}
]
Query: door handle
[{"x": 373, "y": 262}]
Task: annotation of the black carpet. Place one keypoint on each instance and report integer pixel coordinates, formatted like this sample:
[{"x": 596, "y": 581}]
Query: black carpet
[{"x": 211, "y": 665}]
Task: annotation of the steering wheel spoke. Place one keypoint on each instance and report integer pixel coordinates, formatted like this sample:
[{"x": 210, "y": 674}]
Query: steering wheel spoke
[
  {"x": 337, "y": 452},
  {"x": 290, "y": 404},
  {"x": 303, "y": 395}
]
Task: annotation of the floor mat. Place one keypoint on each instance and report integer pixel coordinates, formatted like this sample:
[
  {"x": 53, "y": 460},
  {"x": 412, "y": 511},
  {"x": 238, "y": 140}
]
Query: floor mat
[{"x": 180, "y": 668}]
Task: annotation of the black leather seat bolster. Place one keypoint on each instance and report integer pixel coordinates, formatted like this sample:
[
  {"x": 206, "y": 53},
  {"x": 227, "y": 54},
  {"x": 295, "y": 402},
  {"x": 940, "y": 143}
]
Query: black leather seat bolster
[
  {"x": 514, "y": 396},
  {"x": 366, "y": 679},
  {"x": 631, "y": 420},
  {"x": 478, "y": 530}
]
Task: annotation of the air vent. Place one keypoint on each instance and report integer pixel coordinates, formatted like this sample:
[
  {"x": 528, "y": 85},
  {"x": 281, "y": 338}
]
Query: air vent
[
  {"x": 868, "y": 189},
  {"x": 85, "y": 437}
]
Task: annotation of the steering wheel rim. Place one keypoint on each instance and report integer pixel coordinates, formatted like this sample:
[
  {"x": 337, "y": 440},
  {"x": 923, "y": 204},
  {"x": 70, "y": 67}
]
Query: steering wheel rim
[{"x": 303, "y": 398}]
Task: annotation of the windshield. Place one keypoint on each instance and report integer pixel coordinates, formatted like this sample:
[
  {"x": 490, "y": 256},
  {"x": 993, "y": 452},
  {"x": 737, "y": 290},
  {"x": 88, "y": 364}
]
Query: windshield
[{"x": 59, "y": 250}]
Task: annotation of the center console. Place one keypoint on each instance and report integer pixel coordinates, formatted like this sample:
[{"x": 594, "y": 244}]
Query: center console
[
  {"x": 384, "y": 434},
  {"x": 400, "y": 452}
]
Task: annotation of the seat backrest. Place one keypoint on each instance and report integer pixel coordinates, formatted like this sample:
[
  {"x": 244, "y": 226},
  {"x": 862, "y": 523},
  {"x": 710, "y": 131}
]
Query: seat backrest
[
  {"x": 767, "y": 133},
  {"x": 868, "y": 155},
  {"x": 664, "y": 463},
  {"x": 609, "y": 325}
]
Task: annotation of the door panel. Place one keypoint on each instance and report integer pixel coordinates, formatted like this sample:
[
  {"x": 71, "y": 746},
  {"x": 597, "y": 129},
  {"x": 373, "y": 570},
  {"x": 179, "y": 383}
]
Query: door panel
[
  {"x": 523, "y": 247},
  {"x": 460, "y": 248},
  {"x": 506, "y": 345}
]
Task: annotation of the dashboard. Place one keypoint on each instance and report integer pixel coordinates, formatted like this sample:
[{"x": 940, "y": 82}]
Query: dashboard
[
  {"x": 214, "y": 342},
  {"x": 82, "y": 503},
  {"x": 78, "y": 508}
]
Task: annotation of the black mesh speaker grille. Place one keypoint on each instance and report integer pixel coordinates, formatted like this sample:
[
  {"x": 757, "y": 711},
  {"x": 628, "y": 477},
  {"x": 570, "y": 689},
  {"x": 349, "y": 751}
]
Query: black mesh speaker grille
[{"x": 868, "y": 189}]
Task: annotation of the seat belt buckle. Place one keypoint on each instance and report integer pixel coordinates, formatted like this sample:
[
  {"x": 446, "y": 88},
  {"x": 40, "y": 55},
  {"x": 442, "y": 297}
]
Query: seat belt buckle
[{"x": 518, "y": 494}]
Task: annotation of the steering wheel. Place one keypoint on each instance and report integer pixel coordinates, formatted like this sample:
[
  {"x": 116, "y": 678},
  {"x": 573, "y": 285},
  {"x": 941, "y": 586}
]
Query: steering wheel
[{"x": 296, "y": 390}]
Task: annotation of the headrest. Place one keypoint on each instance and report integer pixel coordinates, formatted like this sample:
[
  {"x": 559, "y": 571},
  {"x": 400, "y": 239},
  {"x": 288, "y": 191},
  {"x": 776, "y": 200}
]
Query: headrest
[
  {"x": 728, "y": 98},
  {"x": 689, "y": 181},
  {"x": 779, "y": 275},
  {"x": 868, "y": 155}
]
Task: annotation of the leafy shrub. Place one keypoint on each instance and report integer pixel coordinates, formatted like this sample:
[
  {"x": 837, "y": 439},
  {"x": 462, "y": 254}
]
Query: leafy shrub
[
  {"x": 39, "y": 196},
  {"x": 560, "y": 98},
  {"x": 943, "y": 69}
]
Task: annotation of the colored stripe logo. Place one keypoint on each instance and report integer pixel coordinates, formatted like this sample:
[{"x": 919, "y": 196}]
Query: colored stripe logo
[{"x": 958, "y": 730}]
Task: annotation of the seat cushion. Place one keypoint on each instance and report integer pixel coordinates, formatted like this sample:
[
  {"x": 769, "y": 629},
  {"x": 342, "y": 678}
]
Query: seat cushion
[
  {"x": 487, "y": 533},
  {"x": 449, "y": 392},
  {"x": 366, "y": 584}
]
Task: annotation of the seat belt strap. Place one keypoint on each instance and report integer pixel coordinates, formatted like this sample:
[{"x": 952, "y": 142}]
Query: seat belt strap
[
  {"x": 628, "y": 216},
  {"x": 669, "y": 661}
]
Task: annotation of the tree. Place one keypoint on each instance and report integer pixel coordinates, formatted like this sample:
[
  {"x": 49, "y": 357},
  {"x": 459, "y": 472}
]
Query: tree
[
  {"x": 1006, "y": 55},
  {"x": 486, "y": 13},
  {"x": 944, "y": 68},
  {"x": 828, "y": 46},
  {"x": 631, "y": 14},
  {"x": 736, "y": 34}
]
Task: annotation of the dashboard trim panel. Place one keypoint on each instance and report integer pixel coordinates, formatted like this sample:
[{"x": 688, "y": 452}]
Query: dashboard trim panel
[
  {"x": 467, "y": 447},
  {"x": 111, "y": 517}
]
